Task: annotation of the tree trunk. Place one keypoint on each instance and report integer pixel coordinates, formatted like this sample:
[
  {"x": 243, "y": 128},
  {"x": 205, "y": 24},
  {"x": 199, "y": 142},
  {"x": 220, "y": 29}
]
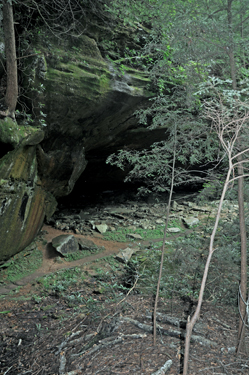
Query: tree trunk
[
  {"x": 241, "y": 347},
  {"x": 243, "y": 270},
  {"x": 11, "y": 63}
]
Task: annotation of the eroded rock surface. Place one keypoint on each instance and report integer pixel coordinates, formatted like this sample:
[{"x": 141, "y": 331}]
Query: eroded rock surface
[
  {"x": 88, "y": 104},
  {"x": 23, "y": 202}
]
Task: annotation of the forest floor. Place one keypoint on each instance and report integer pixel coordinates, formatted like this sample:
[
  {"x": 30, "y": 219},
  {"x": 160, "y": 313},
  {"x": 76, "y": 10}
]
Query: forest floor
[{"x": 86, "y": 324}]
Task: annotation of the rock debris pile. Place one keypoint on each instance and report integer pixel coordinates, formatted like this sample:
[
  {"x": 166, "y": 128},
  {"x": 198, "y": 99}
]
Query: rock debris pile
[{"x": 132, "y": 215}]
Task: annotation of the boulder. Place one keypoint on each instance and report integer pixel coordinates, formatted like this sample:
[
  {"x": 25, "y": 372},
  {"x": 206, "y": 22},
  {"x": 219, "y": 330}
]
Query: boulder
[
  {"x": 101, "y": 228},
  {"x": 65, "y": 244},
  {"x": 135, "y": 236},
  {"x": 125, "y": 255},
  {"x": 190, "y": 221},
  {"x": 89, "y": 108},
  {"x": 174, "y": 230},
  {"x": 23, "y": 201},
  {"x": 86, "y": 244}
]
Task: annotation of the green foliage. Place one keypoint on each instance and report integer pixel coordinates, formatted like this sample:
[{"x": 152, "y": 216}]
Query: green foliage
[
  {"x": 184, "y": 264},
  {"x": 122, "y": 233},
  {"x": 60, "y": 281},
  {"x": 192, "y": 146},
  {"x": 189, "y": 48}
]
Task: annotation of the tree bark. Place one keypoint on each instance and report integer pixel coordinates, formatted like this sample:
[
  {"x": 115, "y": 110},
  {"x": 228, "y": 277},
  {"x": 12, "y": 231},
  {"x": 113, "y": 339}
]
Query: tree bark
[
  {"x": 11, "y": 62},
  {"x": 243, "y": 246},
  {"x": 241, "y": 347}
]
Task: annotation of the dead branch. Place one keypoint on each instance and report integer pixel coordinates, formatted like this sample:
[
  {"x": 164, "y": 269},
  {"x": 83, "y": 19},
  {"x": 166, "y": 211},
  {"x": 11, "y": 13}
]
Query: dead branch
[
  {"x": 64, "y": 343},
  {"x": 109, "y": 341},
  {"x": 164, "y": 368},
  {"x": 63, "y": 362},
  {"x": 167, "y": 319},
  {"x": 178, "y": 334}
]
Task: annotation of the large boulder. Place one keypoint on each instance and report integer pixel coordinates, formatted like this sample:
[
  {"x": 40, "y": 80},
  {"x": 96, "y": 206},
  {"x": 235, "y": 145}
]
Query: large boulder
[
  {"x": 23, "y": 201},
  {"x": 89, "y": 104}
]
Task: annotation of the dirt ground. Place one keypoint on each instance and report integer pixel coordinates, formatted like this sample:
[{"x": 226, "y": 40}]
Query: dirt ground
[{"x": 114, "y": 336}]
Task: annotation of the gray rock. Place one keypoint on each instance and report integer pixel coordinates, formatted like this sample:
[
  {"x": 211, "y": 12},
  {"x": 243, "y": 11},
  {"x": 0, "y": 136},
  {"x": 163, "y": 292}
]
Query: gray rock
[
  {"x": 135, "y": 236},
  {"x": 125, "y": 255},
  {"x": 65, "y": 244},
  {"x": 174, "y": 230},
  {"x": 102, "y": 228},
  {"x": 86, "y": 244},
  {"x": 190, "y": 221},
  {"x": 160, "y": 221}
]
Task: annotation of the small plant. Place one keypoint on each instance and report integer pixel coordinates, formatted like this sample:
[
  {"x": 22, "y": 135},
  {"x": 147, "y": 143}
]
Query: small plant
[{"x": 37, "y": 298}]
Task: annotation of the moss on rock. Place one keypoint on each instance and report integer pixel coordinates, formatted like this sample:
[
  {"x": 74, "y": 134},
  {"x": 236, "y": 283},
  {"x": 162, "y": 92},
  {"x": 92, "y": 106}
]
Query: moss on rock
[{"x": 14, "y": 134}]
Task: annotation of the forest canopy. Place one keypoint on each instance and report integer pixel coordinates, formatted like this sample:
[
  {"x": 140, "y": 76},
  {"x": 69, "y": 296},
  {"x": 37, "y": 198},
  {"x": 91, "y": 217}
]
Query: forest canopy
[{"x": 195, "y": 52}]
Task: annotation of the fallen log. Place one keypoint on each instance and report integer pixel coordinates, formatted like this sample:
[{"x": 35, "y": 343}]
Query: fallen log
[{"x": 194, "y": 338}]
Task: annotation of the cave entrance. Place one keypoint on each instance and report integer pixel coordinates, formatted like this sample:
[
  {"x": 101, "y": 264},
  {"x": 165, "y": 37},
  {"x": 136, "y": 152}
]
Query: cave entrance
[
  {"x": 5, "y": 148},
  {"x": 101, "y": 197}
]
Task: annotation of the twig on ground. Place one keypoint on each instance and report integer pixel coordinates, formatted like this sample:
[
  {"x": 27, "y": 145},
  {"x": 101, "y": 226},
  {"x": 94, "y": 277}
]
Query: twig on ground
[
  {"x": 7, "y": 370},
  {"x": 224, "y": 367}
]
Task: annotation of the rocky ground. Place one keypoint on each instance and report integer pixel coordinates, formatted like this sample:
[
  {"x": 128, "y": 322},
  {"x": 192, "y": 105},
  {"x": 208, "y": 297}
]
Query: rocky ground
[{"x": 73, "y": 317}]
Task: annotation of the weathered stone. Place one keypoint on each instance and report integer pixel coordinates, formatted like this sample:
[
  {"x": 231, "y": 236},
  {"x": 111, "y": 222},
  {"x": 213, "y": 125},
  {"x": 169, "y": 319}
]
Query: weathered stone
[
  {"x": 101, "y": 228},
  {"x": 125, "y": 255},
  {"x": 61, "y": 167},
  {"x": 135, "y": 236},
  {"x": 174, "y": 230},
  {"x": 160, "y": 221},
  {"x": 190, "y": 221},
  {"x": 65, "y": 244},
  {"x": 88, "y": 105},
  {"x": 23, "y": 202},
  {"x": 86, "y": 244}
]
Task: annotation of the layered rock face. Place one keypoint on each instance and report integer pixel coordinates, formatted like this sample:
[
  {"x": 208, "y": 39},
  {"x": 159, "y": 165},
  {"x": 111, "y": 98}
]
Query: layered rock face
[{"x": 89, "y": 106}]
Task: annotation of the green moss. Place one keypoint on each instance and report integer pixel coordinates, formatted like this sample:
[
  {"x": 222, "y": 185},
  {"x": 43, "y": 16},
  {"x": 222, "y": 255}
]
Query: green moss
[
  {"x": 9, "y": 132},
  {"x": 83, "y": 79},
  {"x": 104, "y": 83},
  {"x": 14, "y": 134}
]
